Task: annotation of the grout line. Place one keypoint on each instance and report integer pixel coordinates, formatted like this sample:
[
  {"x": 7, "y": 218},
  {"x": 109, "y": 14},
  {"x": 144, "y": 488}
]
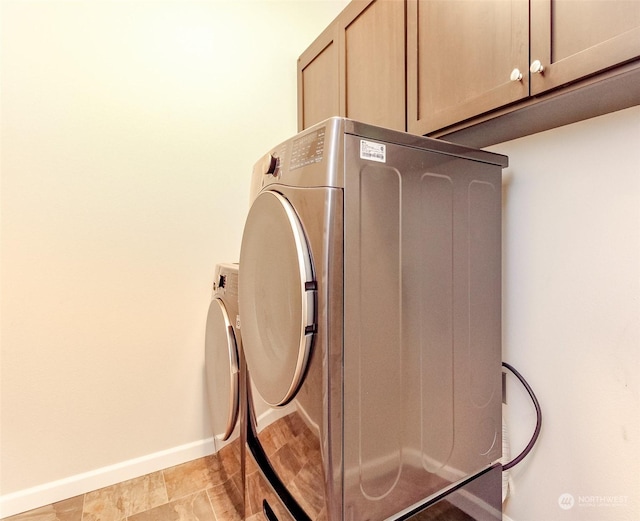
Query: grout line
[
  {"x": 215, "y": 516},
  {"x": 84, "y": 499},
  {"x": 164, "y": 483}
]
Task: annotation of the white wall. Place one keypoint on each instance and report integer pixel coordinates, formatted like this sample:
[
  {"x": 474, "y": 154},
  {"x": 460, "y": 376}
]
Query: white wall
[
  {"x": 572, "y": 317},
  {"x": 129, "y": 129}
]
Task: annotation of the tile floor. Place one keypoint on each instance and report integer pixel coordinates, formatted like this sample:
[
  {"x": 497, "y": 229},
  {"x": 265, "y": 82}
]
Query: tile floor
[{"x": 206, "y": 489}]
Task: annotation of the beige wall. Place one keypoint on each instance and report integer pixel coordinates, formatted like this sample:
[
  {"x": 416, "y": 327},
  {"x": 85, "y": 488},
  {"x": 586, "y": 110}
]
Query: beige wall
[
  {"x": 128, "y": 134},
  {"x": 571, "y": 317}
]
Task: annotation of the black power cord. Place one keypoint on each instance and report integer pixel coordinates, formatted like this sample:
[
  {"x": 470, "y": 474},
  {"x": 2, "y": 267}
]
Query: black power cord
[{"x": 536, "y": 432}]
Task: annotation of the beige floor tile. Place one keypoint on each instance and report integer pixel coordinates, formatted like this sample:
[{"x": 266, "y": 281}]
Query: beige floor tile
[
  {"x": 193, "y": 476},
  {"x": 67, "y": 510},
  {"x": 195, "y": 507},
  {"x": 204, "y": 473},
  {"x": 124, "y": 499},
  {"x": 227, "y": 501},
  {"x": 194, "y": 491},
  {"x": 230, "y": 457}
]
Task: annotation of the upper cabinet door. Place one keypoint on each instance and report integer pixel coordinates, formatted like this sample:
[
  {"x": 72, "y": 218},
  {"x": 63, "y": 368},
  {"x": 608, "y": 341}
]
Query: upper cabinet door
[
  {"x": 373, "y": 74},
  {"x": 356, "y": 67},
  {"x": 464, "y": 58},
  {"x": 572, "y": 39},
  {"x": 319, "y": 79}
]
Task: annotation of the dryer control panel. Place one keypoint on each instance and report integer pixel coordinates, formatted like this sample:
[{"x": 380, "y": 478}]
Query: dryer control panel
[{"x": 308, "y": 149}]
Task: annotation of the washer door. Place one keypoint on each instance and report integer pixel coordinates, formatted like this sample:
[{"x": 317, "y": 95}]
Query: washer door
[
  {"x": 277, "y": 293},
  {"x": 221, "y": 364}
]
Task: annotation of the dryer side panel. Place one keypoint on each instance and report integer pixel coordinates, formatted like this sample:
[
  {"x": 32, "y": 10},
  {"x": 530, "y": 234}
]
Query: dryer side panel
[
  {"x": 373, "y": 347},
  {"x": 421, "y": 325}
]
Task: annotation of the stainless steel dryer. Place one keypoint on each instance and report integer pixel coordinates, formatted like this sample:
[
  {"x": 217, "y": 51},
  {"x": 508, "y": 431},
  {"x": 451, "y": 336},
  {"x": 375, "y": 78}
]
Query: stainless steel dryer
[{"x": 370, "y": 304}]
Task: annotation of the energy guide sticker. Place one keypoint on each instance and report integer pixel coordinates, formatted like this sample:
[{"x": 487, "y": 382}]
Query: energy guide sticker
[{"x": 373, "y": 151}]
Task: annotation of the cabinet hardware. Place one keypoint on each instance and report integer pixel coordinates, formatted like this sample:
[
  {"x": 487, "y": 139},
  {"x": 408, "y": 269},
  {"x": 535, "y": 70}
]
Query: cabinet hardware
[
  {"x": 536, "y": 67},
  {"x": 516, "y": 75}
]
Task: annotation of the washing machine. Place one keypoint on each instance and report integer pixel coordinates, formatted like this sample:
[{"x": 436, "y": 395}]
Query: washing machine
[
  {"x": 222, "y": 354},
  {"x": 371, "y": 317},
  {"x": 224, "y": 385}
]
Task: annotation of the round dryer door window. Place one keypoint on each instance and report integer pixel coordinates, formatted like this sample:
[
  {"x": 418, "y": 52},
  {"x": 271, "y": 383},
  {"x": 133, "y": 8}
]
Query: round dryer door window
[
  {"x": 277, "y": 293},
  {"x": 221, "y": 364}
]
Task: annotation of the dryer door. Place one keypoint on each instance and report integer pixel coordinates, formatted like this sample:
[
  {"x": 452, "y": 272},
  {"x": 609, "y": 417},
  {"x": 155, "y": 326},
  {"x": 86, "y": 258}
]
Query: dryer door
[
  {"x": 221, "y": 364},
  {"x": 277, "y": 295}
]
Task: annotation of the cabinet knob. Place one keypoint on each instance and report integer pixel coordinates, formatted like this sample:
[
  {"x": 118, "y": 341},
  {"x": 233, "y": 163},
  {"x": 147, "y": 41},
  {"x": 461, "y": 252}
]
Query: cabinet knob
[
  {"x": 516, "y": 75},
  {"x": 536, "y": 67}
]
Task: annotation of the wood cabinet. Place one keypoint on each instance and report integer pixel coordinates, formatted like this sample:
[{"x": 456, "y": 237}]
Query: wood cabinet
[
  {"x": 460, "y": 58},
  {"x": 464, "y": 69},
  {"x": 465, "y": 59},
  {"x": 356, "y": 67},
  {"x": 318, "y": 79},
  {"x": 574, "y": 39},
  {"x": 374, "y": 63}
]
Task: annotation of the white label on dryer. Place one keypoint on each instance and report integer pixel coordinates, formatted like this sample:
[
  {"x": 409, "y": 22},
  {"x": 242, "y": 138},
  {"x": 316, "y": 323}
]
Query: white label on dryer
[{"x": 373, "y": 151}]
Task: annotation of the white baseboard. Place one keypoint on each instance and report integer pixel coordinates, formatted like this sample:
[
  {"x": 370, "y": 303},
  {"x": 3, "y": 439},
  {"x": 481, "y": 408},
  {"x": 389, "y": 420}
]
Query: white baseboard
[
  {"x": 47, "y": 493},
  {"x": 505, "y": 517}
]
